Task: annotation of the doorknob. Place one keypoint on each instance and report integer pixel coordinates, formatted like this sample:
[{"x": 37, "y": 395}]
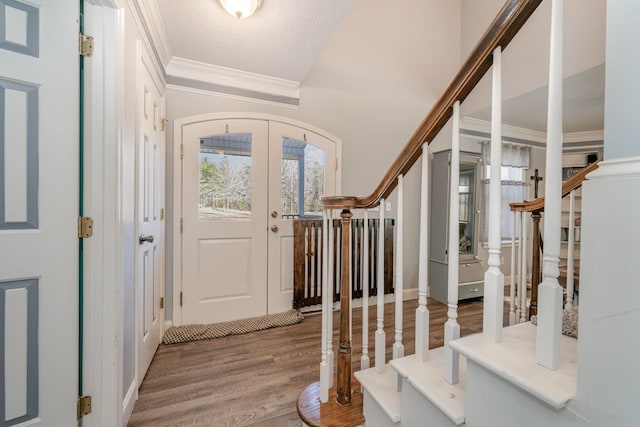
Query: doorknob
[
  {"x": 274, "y": 228},
  {"x": 274, "y": 214},
  {"x": 142, "y": 238}
]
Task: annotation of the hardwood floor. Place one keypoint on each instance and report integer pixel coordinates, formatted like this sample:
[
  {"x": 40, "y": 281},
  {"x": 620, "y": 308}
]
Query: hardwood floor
[{"x": 254, "y": 379}]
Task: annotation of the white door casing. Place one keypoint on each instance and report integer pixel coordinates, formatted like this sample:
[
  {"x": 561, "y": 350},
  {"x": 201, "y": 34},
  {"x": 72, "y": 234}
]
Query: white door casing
[
  {"x": 272, "y": 291},
  {"x": 280, "y": 253},
  {"x": 38, "y": 212},
  {"x": 150, "y": 213}
]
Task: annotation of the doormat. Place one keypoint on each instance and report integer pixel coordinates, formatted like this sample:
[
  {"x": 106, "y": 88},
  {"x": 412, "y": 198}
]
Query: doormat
[{"x": 178, "y": 334}]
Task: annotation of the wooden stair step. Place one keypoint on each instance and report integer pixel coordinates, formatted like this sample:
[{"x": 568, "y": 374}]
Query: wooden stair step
[
  {"x": 331, "y": 414},
  {"x": 380, "y": 387}
]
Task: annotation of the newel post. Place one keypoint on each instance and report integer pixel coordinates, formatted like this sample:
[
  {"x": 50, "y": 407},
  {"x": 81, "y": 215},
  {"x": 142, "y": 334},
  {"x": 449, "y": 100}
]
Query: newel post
[{"x": 344, "y": 347}]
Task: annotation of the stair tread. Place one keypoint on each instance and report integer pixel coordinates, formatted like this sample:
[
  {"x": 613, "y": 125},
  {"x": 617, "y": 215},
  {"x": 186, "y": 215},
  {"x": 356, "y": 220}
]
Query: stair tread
[
  {"x": 428, "y": 379},
  {"x": 381, "y": 388},
  {"x": 514, "y": 359}
]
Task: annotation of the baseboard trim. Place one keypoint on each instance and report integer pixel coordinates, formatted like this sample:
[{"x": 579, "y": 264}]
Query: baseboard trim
[
  {"x": 129, "y": 402},
  {"x": 407, "y": 294}
]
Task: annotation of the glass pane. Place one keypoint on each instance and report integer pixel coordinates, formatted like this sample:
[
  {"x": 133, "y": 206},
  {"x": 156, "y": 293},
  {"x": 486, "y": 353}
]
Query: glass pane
[
  {"x": 302, "y": 178},
  {"x": 467, "y": 214},
  {"x": 225, "y": 177}
]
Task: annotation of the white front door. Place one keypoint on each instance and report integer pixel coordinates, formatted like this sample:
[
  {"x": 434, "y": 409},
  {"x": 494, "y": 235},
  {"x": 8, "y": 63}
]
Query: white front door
[
  {"x": 150, "y": 213},
  {"x": 224, "y": 252},
  {"x": 243, "y": 182},
  {"x": 39, "y": 185},
  {"x": 302, "y": 167}
]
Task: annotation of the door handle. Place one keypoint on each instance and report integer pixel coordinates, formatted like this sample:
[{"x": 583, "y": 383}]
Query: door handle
[
  {"x": 274, "y": 228},
  {"x": 142, "y": 238}
]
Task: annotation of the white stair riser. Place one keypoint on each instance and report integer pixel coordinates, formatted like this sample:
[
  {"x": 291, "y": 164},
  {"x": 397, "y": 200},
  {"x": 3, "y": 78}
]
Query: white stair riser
[
  {"x": 374, "y": 415},
  {"x": 418, "y": 411}
]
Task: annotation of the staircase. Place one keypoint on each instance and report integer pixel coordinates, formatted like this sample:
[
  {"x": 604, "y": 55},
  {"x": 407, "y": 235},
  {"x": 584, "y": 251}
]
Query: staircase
[{"x": 516, "y": 375}]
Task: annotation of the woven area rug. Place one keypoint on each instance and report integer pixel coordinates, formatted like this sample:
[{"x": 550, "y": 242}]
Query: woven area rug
[{"x": 177, "y": 334}]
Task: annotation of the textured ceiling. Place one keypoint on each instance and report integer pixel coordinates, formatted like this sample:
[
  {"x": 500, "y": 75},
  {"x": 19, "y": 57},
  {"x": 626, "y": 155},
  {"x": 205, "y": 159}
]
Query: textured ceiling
[{"x": 281, "y": 40}]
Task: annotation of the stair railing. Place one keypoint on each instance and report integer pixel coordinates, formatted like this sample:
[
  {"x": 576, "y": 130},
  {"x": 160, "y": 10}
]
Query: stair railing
[
  {"x": 518, "y": 308},
  {"x": 485, "y": 55}
]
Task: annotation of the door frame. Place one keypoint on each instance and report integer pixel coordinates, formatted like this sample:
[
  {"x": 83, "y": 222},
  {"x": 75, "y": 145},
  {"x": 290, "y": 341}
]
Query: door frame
[{"x": 173, "y": 247}]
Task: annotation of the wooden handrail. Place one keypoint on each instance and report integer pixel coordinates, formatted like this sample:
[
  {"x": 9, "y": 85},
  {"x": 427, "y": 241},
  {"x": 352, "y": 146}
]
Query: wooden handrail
[
  {"x": 504, "y": 27},
  {"x": 567, "y": 187}
]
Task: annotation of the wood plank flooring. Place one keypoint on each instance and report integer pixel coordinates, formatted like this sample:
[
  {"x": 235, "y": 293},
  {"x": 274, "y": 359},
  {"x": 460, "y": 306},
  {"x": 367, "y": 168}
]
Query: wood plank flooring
[{"x": 254, "y": 379}]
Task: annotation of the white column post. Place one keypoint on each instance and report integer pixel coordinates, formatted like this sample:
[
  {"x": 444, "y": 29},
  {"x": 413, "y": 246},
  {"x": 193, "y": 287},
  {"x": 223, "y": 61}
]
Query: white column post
[
  {"x": 549, "y": 291},
  {"x": 422, "y": 312},
  {"x": 331, "y": 286},
  {"x": 451, "y": 327},
  {"x": 512, "y": 276},
  {"x": 570, "y": 250},
  {"x": 523, "y": 268},
  {"x": 493, "y": 277},
  {"x": 398, "y": 347},
  {"x": 324, "y": 366},
  {"x": 380, "y": 335},
  {"x": 364, "y": 359}
]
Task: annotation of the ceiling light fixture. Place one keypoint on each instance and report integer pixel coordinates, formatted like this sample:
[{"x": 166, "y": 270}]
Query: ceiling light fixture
[{"x": 241, "y": 8}]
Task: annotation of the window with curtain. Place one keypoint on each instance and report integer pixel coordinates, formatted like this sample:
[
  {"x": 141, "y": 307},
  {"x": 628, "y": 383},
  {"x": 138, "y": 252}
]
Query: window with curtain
[{"x": 515, "y": 162}]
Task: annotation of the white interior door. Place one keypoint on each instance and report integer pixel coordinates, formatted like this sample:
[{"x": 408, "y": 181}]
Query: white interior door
[
  {"x": 224, "y": 220},
  {"x": 302, "y": 167},
  {"x": 38, "y": 212},
  {"x": 150, "y": 212}
]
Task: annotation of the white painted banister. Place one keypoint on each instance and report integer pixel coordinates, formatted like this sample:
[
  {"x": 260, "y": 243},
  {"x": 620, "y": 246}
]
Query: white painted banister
[
  {"x": 324, "y": 365},
  {"x": 570, "y": 250},
  {"x": 380, "y": 334},
  {"x": 398, "y": 346},
  {"x": 522, "y": 270},
  {"x": 422, "y": 312},
  {"x": 364, "y": 359},
  {"x": 512, "y": 276},
  {"x": 549, "y": 291},
  {"x": 523, "y": 267},
  {"x": 451, "y": 327},
  {"x": 493, "y": 277},
  {"x": 330, "y": 354}
]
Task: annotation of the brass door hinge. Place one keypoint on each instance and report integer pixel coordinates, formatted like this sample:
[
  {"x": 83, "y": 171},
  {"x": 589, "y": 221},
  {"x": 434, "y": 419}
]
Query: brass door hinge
[
  {"x": 181, "y": 225},
  {"x": 84, "y": 406},
  {"x": 161, "y": 302},
  {"x": 161, "y": 214},
  {"x": 163, "y": 124},
  {"x": 85, "y": 227},
  {"x": 180, "y": 298},
  {"x": 85, "y": 45},
  {"x": 181, "y": 151}
]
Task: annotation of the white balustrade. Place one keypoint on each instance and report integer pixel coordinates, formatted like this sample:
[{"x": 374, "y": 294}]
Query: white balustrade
[
  {"x": 380, "y": 334},
  {"x": 364, "y": 359},
  {"x": 451, "y": 327},
  {"x": 570, "y": 250},
  {"x": 331, "y": 286},
  {"x": 324, "y": 365},
  {"x": 398, "y": 347},
  {"x": 549, "y": 291},
  {"x": 422, "y": 312},
  {"x": 512, "y": 275},
  {"x": 493, "y": 278}
]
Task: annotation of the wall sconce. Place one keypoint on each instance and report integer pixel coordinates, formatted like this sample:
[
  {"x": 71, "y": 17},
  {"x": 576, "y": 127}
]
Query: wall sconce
[{"x": 241, "y": 8}]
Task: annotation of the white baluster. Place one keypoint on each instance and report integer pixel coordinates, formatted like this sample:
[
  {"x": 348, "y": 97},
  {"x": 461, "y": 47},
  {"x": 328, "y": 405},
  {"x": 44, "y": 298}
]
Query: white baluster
[
  {"x": 364, "y": 359},
  {"x": 570, "y": 250},
  {"x": 493, "y": 277},
  {"x": 330, "y": 354},
  {"x": 380, "y": 335},
  {"x": 324, "y": 365},
  {"x": 523, "y": 270},
  {"x": 451, "y": 327},
  {"x": 512, "y": 276},
  {"x": 398, "y": 347},
  {"x": 422, "y": 312},
  {"x": 549, "y": 291}
]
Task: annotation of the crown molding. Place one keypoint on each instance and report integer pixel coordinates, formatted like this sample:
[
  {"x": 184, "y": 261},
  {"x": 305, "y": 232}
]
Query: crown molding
[
  {"x": 147, "y": 18},
  {"x": 228, "y": 77}
]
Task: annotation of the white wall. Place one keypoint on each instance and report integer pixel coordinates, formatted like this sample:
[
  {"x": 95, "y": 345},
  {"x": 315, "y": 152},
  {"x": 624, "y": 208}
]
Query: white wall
[
  {"x": 525, "y": 62},
  {"x": 373, "y": 83}
]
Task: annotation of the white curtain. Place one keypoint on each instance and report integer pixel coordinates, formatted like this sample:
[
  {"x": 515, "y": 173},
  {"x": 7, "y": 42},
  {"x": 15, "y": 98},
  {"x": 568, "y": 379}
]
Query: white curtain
[{"x": 515, "y": 162}]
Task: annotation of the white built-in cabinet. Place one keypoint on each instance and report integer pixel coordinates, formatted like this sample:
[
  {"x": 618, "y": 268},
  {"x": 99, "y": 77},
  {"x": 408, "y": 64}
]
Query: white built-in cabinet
[{"x": 470, "y": 270}]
